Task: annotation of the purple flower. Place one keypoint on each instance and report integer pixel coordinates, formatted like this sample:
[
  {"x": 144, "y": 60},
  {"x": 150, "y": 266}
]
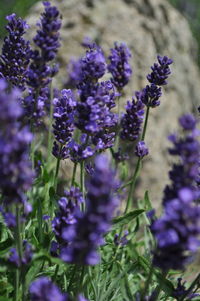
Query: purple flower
[
  {"x": 103, "y": 139},
  {"x": 160, "y": 71},
  {"x": 131, "y": 121},
  {"x": 119, "y": 156},
  {"x": 181, "y": 290},
  {"x": 119, "y": 65},
  {"x": 63, "y": 126},
  {"x": 16, "y": 174},
  {"x": 79, "y": 152},
  {"x": 42, "y": 289},
  {"x": 94, "y": 115},
  {"x": 188, "y": 122},
  {"x": 94, "y": 223},
  {"x": 123, "y": 241},
  {"x": 26, "y": 256},
  {"x": 74, "y": 73},
  {"x": 48, "y": 37},
  {"x": 141, "y": 149},
  {"x": 69, "y": 209},
  {"x": 10, "y": 219},
  {"x": 93, "y": 64},
  {"x": 176, "y": 233},
  {"x": 150, "y": 95},
  {"x": 184, "y": 174},
  {"x": 15, "y": 55},
  {"x": 40, "y": 72},
  {"x": 177, "y": 230}
]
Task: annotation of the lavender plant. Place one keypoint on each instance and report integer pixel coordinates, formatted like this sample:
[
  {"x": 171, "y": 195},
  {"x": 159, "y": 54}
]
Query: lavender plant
[{"x": 84, "y": 236}]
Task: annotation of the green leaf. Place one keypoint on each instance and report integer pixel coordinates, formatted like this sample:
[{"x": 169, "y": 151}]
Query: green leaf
[
  {"x": 127, "y": 218},
  {"x": 147, "y": 201},
  {"x": 6, "y": 244},
  {"x": 167, "y": 285}
]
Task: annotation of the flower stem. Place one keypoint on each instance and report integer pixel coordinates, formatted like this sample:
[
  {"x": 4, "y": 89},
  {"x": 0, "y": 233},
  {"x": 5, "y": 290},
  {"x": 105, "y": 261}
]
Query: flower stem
[
  {"x": 16, "y": 289},
  {"x": 74, "y": 174},
  {"x": 133, "y": 181},
  {"x": 50, "y": 128},
  {"x": 39, "y": 212},
  {"x": 145, "y": 124},
  {"x": 138, "y": 165},
  {"x": 56, "y": 173},
  {"x": 19, "y": 250},
  {"x": 148, "y": 282},
  {"x": 82, "y": 179}
]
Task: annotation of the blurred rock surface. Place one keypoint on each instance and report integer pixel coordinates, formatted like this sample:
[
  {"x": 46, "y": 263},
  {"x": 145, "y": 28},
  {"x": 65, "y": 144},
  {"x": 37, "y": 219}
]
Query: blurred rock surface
[{"x": 149, "y": 27}]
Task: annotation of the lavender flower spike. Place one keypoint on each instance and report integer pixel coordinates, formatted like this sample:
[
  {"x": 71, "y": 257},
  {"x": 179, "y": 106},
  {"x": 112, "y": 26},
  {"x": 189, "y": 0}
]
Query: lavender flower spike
[
  {"x": 40, "y": 72},
  {"x": 131, "y": 122},
  {"x": 141, "y": 149},
  {"x": 16, "y": 174},
  {"x": 15, "y": 55},
  {"x": 177, "y": 234},
  {"x": 177, "y": 231},
  {"x": 160, "y": 71},
  {"x": 69, "y": 209},
  {"x": 63, "y": 125},
  {"x": 119, "y": 65},
  {"x": 42, "y": 289},
  {"x": 91, "y": 226}
]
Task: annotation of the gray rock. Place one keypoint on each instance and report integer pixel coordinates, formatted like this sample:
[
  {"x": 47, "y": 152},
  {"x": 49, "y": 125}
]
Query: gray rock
[{"x": 149, "y": 27}]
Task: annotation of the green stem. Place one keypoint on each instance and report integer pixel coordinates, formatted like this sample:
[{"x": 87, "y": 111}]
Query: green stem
[
  {"x": 50, "y": 129},
  {"x": 145, "y": 124},
  {"x": 148, "y": 282},
  {"x": 40, "y": 221},
  {"x": 33, "y": 153},
  {"x": 16, "y": 289},
  {"x": 18, "y": 234},
  {"x": 19, "y": 250},
  {"x": 56, "y": 173},
  {"x": 138, "y": 165},
  {"x": 82, "y": 179},
  {"x": 74, "y": 174},
  {"x": 133, "y": 181}
]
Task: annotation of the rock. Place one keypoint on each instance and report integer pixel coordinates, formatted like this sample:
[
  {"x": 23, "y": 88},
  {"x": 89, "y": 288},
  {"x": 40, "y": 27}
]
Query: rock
[{"x": 149, "y": 27}]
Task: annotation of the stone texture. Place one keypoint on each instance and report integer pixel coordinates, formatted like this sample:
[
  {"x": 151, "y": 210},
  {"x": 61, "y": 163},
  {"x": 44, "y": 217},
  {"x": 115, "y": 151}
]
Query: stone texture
[{"x": 149, "y": 27}]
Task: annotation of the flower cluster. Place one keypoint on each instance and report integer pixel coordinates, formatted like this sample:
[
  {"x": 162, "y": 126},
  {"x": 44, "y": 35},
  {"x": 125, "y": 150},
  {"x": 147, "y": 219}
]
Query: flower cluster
[
  {"x": 177, "y": 231},
  {"x": 15, "y": 55},
  {"x": 69, "y": 210},
  {"x": 64, "y": 107},
  {"x": 119, "y": 65},
  {"x": 39, "y": 71},
  {"x": 95, "y": 222},
  {"x": 160, "y": 72},
  {"x": 131, "y": 121},
  {"x": 141, "y": 149},
  {"x": 42, "y": 289},
  {"x": 184, "y": 174},
  {"x": 26, "y": 256},
  {"x": 94, "y": 114},
  {"x": 16, "y": 175}
]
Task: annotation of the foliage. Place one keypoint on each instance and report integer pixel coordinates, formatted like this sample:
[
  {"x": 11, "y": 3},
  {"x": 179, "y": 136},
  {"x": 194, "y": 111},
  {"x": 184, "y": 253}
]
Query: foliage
[{"x": 87, "y": 236}]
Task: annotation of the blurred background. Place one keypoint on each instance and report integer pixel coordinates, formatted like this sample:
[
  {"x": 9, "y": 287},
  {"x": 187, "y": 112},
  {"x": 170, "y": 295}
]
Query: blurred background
[{"x": 189, "y": 8}]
